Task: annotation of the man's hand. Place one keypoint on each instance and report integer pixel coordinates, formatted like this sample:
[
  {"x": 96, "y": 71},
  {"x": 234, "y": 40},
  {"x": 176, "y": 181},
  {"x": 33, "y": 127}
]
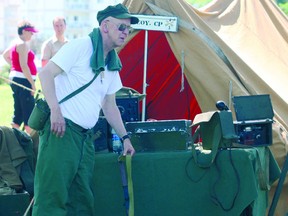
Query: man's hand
[
  {"x": 128, "y": 148},
  {"x": 58, "y": 124}
]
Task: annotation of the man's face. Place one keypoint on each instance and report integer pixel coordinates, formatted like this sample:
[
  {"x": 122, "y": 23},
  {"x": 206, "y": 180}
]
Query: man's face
[
  {"x": 59, "y": 27},
  {"x": 118, "y": 30}
]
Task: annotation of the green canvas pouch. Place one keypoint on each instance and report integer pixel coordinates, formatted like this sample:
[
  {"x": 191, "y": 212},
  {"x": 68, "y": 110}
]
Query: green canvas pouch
[{"x": 39, "y": 115}]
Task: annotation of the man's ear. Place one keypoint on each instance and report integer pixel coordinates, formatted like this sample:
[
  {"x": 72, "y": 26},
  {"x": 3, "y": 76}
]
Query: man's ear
[{"x": 105, "y": 27}]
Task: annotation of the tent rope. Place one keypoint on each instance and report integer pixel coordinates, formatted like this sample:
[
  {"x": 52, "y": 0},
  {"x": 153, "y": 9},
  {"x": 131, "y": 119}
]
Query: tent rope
[{"x": 182, "y": 70}]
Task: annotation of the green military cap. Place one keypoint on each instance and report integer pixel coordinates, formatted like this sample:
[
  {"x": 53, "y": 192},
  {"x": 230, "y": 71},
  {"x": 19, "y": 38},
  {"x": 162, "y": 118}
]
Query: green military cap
[{"x": 118, "y": 11}]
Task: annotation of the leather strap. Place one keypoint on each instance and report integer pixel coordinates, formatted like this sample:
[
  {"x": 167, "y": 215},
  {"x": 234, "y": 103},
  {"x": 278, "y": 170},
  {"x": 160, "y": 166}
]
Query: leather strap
[{"x": 125, "y": 137}]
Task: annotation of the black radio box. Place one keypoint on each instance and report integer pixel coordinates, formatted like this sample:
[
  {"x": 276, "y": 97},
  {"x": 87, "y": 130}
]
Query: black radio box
[
  {"x": 127, "y": 100},
  {"x": 254, "y": 116},
  {"x": 162, "y": 135},
  {"x": 129, "y": 108}
]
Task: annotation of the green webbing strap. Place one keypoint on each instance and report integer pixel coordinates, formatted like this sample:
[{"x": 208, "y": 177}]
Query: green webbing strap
[
  {"x": 263, "y": 173},
  {"x": 78, "y": 90},
  {"x": 130, "y": 184},
  {"x": 194, "y": 137},
  {"x": 128, "y": 162}
]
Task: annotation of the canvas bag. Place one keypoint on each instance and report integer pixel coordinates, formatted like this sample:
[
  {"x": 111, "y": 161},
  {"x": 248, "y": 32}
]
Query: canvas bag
[{"x": 217, "y": 131}]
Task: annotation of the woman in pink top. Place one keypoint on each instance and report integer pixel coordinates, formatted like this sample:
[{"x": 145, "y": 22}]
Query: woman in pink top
[{"x": 23, "y": 71}]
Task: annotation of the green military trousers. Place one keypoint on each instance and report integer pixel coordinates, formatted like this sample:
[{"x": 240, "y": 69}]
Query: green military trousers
[{"x": 64, "y": 172}]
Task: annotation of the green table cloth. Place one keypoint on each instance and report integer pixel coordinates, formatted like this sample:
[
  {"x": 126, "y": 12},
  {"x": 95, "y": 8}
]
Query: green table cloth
[{"x": 170, "y": 183}]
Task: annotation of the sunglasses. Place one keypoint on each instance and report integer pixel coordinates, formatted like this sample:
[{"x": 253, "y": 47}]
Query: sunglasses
[{"x": 122, "y": 27}]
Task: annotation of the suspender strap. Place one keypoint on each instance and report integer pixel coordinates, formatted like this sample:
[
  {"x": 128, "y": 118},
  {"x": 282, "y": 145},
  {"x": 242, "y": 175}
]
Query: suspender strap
[{"x": 78, "y": 90}]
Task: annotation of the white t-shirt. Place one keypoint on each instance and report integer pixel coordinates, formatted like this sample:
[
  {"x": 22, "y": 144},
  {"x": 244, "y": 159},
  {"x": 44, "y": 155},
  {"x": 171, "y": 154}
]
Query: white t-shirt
[{"x": 74, "y": 59}]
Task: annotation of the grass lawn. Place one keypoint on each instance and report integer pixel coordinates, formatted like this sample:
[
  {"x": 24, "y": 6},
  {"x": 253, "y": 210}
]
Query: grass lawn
[{"x": 6, "y": 106}]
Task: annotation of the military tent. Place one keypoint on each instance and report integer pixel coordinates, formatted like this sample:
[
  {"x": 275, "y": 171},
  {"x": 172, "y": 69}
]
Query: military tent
[
  {"x": 238, "y": 42},
  {"x": 227, "y": 48}
]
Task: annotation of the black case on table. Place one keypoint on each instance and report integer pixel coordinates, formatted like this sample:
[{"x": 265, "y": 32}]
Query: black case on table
[
  {"x": 162, "y": 135},
  {"x": 254, "y": 116}
]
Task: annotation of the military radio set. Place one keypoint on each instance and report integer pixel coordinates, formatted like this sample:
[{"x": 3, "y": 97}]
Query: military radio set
[{"x": 254, "y": 118}]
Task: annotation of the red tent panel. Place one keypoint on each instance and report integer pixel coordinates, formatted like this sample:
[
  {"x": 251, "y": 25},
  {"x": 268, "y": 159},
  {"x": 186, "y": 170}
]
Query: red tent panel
[{"x": 164, "y": 101}]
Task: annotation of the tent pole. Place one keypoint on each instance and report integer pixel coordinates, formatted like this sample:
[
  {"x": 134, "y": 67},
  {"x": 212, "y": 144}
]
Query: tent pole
[
  {"x": 144, "y": 76},
  {"x": 230, "y": 94}
]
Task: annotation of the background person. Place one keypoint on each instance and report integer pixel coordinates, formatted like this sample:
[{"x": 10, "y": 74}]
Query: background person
[
  {"x": 23, "y": 71},
  {"x": 51, "y": 46},
  {"x": 65, "y": 165}
]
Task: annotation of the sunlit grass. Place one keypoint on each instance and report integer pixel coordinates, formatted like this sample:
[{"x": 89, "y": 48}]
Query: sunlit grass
[
  {"x": 198, "y": 3},
  {"x": 6, "y": 106}
]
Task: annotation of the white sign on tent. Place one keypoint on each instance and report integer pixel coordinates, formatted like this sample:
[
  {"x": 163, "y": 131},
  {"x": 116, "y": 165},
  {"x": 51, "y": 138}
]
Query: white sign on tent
[{"x": 154, "y": 23}]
